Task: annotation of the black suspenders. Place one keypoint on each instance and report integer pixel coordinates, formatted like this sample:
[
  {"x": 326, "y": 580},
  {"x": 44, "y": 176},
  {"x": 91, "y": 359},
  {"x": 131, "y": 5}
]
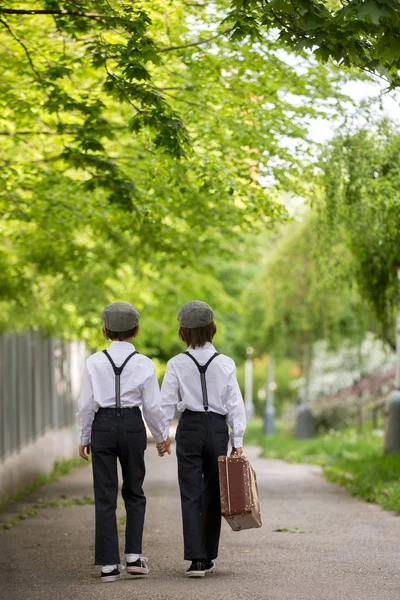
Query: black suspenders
[
  {"x": 203, "y": 369},
  {"x": 118, "y": 371}
]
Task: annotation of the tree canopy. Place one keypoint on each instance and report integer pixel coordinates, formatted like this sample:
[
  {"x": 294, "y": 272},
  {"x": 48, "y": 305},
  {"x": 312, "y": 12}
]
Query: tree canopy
[
  {"x": 354, "y": 33},
  {"x": 361, "y": 208},
  {"x": 296, "y": 300},
  {"x": 136, "y": 142},
  {"x": 334, "y": 274}
]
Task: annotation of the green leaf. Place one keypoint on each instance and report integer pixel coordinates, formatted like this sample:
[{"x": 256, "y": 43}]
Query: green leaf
[{"x": 373, "y": 11}]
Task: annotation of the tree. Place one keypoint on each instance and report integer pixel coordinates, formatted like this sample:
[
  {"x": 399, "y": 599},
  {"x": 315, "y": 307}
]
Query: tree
[
  {"x": 355, "y": 33},
  {"x": 361, "y": 207},
  {"x": 296, "y": 301},
  {"x": 93, "y": 188}
]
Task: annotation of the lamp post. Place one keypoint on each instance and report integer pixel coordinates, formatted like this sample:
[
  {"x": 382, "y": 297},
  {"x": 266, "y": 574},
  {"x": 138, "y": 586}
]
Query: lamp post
[
  {"x": 304, "y": 420},
  {"x": 248, "y": 384},
  {"x": 269, "y": 413},
  {"x": 392, "y": 429}
]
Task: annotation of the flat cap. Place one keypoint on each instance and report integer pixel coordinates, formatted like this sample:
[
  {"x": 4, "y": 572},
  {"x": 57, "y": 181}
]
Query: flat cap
[
  {"x": 195, "y": 314},
  {"x": 120, "y": 316}
]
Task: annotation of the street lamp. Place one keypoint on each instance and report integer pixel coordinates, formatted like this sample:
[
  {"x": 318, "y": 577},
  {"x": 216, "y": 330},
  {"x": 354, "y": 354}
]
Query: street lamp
[
  {"x": 304, "y": 420},
  {"x": 269, "y": 413},
  {"x": 248, "y": 384},
  {"x": 392, "y": 429}
]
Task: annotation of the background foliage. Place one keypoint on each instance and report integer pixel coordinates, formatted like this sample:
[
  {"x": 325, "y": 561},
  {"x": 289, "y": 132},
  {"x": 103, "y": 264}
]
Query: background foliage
[
  {"x": 360, "y": 33},
  {"x": 147, "y": 150},
  {"x": 142, "y": 149}
]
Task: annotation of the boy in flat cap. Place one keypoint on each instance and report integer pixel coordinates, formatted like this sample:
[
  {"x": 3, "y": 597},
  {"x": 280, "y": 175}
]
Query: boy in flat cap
[
  {"x": 203, "y": 384},
  {"x": 116, "y": 383}
]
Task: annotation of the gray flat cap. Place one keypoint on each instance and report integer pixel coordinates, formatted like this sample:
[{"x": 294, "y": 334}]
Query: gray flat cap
[
  {"x": 120, "y": 316},
  {"x": 195, "y": 314}
]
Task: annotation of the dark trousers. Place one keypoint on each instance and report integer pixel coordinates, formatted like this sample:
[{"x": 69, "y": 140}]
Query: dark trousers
[
  {"x": 118, "y": 434},
  {"x": 200, "y": 438}
]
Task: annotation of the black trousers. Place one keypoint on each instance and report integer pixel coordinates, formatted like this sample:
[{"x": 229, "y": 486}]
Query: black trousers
[
  {"x": 200, "y": 438},
  {"x": 118, "y": 434}
]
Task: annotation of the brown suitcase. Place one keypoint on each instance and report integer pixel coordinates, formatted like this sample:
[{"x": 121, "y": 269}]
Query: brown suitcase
[{"x": 240, "y": 505}]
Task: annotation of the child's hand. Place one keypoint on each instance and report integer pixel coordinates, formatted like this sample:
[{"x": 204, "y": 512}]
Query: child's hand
[
  {"x": 160, "y": 449},
  {"x": 238, "y": 452},
  {"x": 84, "y": 451},
  {"x": 164, "y": 447}
]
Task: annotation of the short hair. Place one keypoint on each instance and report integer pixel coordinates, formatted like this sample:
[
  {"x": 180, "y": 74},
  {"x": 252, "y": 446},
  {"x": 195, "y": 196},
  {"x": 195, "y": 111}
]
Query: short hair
[
  {"x": 120, "y": 336},
  {"x": 198, "y": 336}
]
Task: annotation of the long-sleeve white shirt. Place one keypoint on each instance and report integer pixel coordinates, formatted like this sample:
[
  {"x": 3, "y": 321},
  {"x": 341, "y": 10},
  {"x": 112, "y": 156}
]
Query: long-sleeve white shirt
[
  {"x": 139, "y": 387},
  {"x": 182, "y": 378}
]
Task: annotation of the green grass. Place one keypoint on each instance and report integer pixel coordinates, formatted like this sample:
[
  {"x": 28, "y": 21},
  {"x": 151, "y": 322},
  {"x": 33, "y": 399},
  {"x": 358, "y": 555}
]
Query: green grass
[
  {"x": 63, "y": 467},
  {"x": 354, "y": 460},
  {"x": 64, "y": 502}
]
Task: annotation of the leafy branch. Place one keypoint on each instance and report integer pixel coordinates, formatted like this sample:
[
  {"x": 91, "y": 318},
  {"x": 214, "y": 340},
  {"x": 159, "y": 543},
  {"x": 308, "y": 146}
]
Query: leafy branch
[
  {"x": 59, "y": 12},
  {"x": 193, "y": 44},
  {"x": 23, "y": 46}
]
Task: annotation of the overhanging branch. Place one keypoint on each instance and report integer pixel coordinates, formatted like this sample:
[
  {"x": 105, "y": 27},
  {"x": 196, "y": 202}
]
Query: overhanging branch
[
  {"x": 61, "y": 13},
  {"x": 199, "y": 43},
  {"x": 23, "y": 46}
]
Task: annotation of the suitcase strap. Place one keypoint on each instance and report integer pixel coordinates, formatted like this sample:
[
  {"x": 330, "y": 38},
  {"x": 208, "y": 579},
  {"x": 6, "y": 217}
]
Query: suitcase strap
[
  {"x": 228, "y": 489},
  {"x": 202, "y": 369}
]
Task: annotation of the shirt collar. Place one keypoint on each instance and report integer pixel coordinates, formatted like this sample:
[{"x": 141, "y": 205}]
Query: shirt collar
[
  {"x": 207, "y": 346},
  {"x": 122, "y": 345}
]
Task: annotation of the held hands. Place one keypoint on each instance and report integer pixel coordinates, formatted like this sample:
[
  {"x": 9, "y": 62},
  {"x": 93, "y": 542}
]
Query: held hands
[
  {"x": 84, "y": 451},
  {"x": 237, "y": 452},
  {"x": 164, "y": 447}
]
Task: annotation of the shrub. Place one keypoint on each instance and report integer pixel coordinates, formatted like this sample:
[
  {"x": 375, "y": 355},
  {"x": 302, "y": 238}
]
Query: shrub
[{"x": 333, "y": 416}]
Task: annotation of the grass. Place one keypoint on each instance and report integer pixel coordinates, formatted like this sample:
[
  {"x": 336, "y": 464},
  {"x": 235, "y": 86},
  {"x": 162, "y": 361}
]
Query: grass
[
  {"x": 63, "y": 467},
  {"x": 354, "y": 460},
  {"x": 64, "y": 502}
]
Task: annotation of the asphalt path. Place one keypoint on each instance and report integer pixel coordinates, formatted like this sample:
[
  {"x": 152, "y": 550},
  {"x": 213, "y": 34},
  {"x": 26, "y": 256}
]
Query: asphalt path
[{"x": 334, "y": 548}]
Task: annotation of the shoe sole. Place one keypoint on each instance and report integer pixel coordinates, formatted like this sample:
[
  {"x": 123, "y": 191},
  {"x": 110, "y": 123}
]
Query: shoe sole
[
  {"x": 211, "y": 570},
  {"x": 196, "y": 574},
  {"x": 110, "y": 579},
  {"x": 136, "y": 571}
]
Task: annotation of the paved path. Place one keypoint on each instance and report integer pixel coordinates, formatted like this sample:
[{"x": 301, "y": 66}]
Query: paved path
[{"x": 350, "y": 550}]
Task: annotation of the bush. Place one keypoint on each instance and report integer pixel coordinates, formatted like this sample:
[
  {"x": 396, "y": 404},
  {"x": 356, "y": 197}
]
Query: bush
[{"x": 333, "y": 417}]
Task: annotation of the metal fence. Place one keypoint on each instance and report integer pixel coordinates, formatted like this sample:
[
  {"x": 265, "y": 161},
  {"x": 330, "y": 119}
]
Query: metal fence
[{"x": 40, "y": 380}]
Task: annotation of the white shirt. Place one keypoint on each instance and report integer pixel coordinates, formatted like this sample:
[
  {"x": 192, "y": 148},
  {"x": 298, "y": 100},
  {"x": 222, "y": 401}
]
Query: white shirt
[
  {"x": 224, "y": 395},
  {"x": 139, "y": 387}
]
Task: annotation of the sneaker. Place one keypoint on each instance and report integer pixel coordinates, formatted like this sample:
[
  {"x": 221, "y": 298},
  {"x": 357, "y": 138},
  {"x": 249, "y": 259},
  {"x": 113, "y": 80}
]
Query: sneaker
[
  {"x": 209, "y": 566},
  {"x": 196, "y": 569},
  {"x": 113, "y": 576},
  {"x": 139, "y": 567}
]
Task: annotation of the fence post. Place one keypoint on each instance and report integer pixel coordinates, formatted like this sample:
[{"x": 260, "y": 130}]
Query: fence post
[
  {"x": 3, "y": 399},
  {"x": 392, "y": 431},
  {"x": 360, "y": 416},
  {"x": 374, "y": 418}
]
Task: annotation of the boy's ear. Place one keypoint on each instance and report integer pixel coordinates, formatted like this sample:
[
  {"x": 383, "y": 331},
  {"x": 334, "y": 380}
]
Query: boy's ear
[{"x": 104, "y": 332}]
